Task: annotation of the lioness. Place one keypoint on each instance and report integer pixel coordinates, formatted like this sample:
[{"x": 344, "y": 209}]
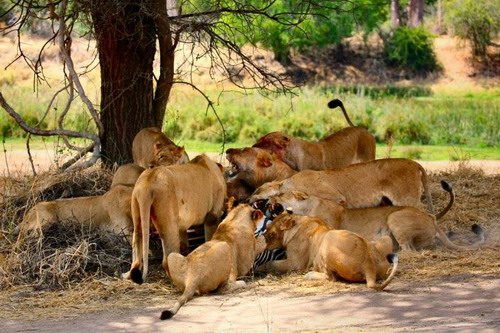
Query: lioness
[
  {"x": 310, "y": 243},
  {"x": 368, "y": 184},
  {"x": 229, "y": 254},
  {"x": 411, "y": 228},
  {"x": 345, "y": 147},
  {"x": 255, "y": 166},
  {"x": 110, "y": 211},
  {"x": 152, "y": 148},
  {"x": 238, "y": 190},
  {"x": 127, "y": 174},
  {"x": 174, "y": 198}
]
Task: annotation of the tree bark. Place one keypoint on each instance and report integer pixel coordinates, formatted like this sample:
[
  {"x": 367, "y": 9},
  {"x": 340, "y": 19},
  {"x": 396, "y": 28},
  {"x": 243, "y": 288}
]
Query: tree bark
[
  {"x": 126, "y": 37},
  {"x": 395, "y": 13},
  {"x": 415, "y": 13}
]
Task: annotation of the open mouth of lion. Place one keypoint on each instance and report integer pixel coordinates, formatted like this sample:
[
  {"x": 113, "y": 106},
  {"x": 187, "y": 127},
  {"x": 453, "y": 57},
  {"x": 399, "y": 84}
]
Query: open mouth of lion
[{"x": 234, "y": 170}]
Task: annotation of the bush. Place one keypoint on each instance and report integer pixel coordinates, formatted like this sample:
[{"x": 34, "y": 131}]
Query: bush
[
  {"x": 475, "y": 21},
  {"x": 411, "y": 48}
]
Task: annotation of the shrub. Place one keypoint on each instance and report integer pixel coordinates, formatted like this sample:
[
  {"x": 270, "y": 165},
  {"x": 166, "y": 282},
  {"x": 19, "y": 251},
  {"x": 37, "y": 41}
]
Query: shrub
[
  {"x": 475, "y": 21},
  {"x": 411, "y": 48}
]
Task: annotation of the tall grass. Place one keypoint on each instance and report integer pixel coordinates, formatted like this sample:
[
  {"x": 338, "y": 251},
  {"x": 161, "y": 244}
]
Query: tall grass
[{"x": 433, "y": 120}]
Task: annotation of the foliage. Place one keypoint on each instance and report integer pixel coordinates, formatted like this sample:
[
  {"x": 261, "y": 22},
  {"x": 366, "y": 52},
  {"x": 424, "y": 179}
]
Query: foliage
[
  {"x": 411, "y": 48},
  {"x": 435, "y": 120},
  {"x": 380, "y": 91},
  {"x": 475, "y": 21},
  {"x": 323, "y": 25}
]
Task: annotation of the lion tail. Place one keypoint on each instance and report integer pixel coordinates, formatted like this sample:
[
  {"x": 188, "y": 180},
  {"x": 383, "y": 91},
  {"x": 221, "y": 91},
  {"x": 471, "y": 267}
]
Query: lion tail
[
  {"x": 178, "y": 269},
  {"x": 476, "y": 228},
  {"x": 425, "y": 184},
  {"x": 448, "y": 188},
  {"x": 336, "y": 103},
  {"x": 141, "y": 214},
  {"x": 393, "y": 259}
]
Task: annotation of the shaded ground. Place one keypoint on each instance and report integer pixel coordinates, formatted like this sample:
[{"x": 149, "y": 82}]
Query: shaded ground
[{"x": 462, "y": 304}]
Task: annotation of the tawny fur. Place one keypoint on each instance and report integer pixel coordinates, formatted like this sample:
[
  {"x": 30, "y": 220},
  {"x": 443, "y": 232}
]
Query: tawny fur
[
  {"x": 410, "y": 227},
  {"x": 255, "y": 166},
  {"x": 310, "y": 244},
  {"x": 401, "y": 181},
  {"x": 217, "y": 263},
  {"x": 345, "y": 147},
  {"x": 127, "y": 174},
  {"x": 151, "y": 148},
  {"x": 174, "y": 198},
  {"x": 110, "y": 212}
]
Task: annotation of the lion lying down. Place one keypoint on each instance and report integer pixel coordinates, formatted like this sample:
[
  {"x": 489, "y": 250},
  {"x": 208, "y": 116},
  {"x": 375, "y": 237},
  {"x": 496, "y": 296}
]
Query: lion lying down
[
  {"x": 345, "y": 147},
  {"x": 410, "y": 227},
  {"x": 229, "y": 254},
  {"x": 399, "y": 180},
  {"x": 110, "y": 212},
  {"x": 310, "y": 244}
]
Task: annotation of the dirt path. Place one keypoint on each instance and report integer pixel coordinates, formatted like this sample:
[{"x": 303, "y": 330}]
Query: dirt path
[
  {"x": 17, "y": 162},
  {"x": 459, "y": 305}
]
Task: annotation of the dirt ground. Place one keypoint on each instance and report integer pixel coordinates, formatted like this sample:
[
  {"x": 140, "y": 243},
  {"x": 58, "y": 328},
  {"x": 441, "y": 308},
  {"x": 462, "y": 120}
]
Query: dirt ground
[
  {"x": 435, "y": 289},
  {"x": 459, "y": 304}
]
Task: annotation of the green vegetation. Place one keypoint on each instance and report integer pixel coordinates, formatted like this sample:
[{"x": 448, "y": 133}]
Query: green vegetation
[
  {"x": 475, "y": 21},
  {"x": 458, "y": 119},
  {"x": 412, "y": 48},
  {"x": 327, "y": 24}
]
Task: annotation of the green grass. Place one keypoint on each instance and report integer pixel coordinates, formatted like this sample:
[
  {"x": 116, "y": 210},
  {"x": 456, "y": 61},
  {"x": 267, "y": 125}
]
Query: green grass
[
  {"x": 419, "y": 152},
  {"x": 470, "y": 119}
]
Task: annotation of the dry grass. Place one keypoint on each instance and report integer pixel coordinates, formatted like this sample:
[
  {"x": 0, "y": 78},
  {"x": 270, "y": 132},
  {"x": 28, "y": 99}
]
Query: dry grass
[{"x": 74, "y": 270}]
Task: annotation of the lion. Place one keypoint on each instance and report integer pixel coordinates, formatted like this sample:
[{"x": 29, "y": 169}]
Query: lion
[
  {"x": 151, "y": 148},
  {"x": 174, "y": 198},
  {"x": 345, "y": 147},
  {"x": 255, "y": 166},
  {"x": 110, "y": 212},
  {"x": 217, "y": 263},
  {"x": 411, "y": 228},
  {"x": 238, "y": 190},
  {"x": 127, "y": 174},
  {"x": 310, "y": 243},
  {"x": 400, "y": 181}
]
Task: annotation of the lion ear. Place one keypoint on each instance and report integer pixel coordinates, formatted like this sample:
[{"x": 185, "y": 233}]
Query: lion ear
[
  {"x": 158, "y": 145},
  {"x": 284, "y": 142},
  {"x": 287, "y": 223},
  {"x": 230, "y": 203},
  {"x": 179, "y": 151},
  {"x": 263, "y": 160},
  {"x": 300, "y": 195}
]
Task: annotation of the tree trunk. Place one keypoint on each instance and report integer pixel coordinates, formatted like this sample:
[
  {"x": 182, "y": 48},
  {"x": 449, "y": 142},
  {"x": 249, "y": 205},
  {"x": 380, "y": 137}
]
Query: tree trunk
[
  {"x": 126, "y": 36},
  {"x": 395, "y": 13},
  {"x": 415, "y": 13}
]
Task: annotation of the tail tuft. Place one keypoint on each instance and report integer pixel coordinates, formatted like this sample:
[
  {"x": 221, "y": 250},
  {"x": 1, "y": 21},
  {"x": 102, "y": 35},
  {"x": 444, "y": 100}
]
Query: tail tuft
[
  {"x": 167, "y": 314},
  {"x": 447, "y": 187},
  {"x": 392, "y": 258},
  {"x": 477, "y": 229},
  {"x": 334, "y": 103},
  {"x": 136, "y": 276}
]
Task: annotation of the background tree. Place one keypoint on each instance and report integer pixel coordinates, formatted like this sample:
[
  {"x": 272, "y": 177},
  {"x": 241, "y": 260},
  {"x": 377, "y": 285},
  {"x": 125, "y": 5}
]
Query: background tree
[
  {"x": 475, "y": 21},
  {"x": 126, "y": 32},
  {"x": 327, "y": 24}
]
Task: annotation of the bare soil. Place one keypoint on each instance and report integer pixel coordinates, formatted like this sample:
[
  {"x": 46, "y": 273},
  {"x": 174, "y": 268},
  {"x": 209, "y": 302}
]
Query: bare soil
[{"x": 459, "y": 304}]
